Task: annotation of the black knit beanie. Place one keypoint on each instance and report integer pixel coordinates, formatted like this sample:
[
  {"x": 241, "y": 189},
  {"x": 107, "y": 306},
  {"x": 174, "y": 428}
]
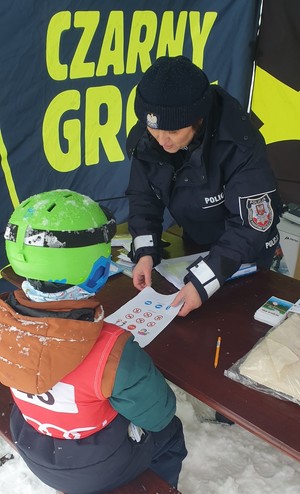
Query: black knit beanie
[{"x": 172, "y": 94}]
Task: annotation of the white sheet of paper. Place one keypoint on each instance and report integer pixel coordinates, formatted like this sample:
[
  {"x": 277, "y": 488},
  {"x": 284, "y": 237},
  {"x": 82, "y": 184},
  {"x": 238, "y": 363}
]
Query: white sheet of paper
[
  {"x": 121, "y": 242},
  {"x": 174, "y": 270},
  {"x": 145, "y": 315}
]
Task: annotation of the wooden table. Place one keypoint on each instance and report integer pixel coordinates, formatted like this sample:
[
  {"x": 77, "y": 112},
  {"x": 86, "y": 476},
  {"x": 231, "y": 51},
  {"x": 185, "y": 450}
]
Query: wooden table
[{"x": 184, "y": 351}]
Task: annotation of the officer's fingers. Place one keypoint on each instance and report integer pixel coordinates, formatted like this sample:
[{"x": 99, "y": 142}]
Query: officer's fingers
[
  {"x": 178, "y": 299},
  {"x": 147, "y": 277},
  {"x": 138, "y": 280},
  {"x": 192, "y": 300},
  {"x": 185, "y": 310},
  {"x": 137, "y": 284}
]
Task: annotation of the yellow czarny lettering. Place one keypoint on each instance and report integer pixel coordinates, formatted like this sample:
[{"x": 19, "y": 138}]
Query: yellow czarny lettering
[
  {"x": 59, "y": 23},
  {"x": 141, "y": 40},
  {"x": 89, "y": 22},
  {"x": 143, "y": 34},
  {"x": 109, "y": 98},
  {"x": 113, "y": 37},
  {"x": 200, "y": 35},
  {"x": 62, "y": 161},
  {"x": 169, "y": 42}
]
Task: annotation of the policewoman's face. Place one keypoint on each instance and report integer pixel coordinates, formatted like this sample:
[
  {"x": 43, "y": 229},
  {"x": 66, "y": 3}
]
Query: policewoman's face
[{"x": 173, "y": 140}]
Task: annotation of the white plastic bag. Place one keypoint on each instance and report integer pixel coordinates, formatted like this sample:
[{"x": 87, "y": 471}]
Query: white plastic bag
[{"x": 273, "y": 364}]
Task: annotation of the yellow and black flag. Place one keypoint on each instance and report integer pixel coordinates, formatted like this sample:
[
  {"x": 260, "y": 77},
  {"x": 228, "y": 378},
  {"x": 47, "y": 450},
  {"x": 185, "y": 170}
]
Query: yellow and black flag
[{"x": 276, "y": 94}]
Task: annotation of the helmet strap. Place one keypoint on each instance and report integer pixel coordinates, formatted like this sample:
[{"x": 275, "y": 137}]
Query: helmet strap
[{"x": 98, "y": 275}]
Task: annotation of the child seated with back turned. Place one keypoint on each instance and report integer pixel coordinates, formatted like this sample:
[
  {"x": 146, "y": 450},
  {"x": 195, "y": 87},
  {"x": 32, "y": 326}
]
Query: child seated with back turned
[{"x": 91, "y": 411}]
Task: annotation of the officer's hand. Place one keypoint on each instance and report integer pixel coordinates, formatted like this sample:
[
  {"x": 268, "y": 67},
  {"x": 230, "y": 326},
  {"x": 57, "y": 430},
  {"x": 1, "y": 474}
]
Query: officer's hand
[
  {"x": 190, "y": 297},
  {"x": 142, "y": 272}
]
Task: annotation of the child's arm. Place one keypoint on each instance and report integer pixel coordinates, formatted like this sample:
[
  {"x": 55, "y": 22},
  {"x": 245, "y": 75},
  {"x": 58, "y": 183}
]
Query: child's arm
[{"x": 140, "y": 392}]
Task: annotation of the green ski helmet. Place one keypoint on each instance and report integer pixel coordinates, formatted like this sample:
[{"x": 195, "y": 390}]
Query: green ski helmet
[{"x": 61, "y": 236}]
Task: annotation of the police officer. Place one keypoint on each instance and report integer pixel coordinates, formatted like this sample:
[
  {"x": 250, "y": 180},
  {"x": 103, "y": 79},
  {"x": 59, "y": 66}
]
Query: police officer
[{"x": 195, "y": 152}]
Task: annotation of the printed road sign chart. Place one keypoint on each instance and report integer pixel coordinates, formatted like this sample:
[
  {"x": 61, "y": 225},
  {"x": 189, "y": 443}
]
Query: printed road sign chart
[{"x": 146, "y": 315}]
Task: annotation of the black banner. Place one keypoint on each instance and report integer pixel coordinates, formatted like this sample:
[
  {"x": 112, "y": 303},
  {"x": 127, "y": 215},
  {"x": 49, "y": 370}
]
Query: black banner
[{"x": 68, "y": 76}]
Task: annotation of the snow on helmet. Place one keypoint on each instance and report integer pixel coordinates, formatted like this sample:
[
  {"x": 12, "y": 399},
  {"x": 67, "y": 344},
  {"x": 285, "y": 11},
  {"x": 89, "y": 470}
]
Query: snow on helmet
[{"x": 61, "y": 236}]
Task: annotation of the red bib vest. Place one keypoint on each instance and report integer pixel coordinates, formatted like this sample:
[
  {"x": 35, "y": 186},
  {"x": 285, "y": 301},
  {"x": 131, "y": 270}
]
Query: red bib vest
[{"x": 74, "y": 408}]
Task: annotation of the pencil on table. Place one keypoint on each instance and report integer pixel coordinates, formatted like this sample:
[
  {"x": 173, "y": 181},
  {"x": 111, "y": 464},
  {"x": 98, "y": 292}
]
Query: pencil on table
[{"x": 217, "y": 353}]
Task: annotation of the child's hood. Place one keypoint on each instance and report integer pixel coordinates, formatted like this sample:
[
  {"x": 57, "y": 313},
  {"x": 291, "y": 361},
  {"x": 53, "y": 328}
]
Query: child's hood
[{"x": 37, "y": 352}]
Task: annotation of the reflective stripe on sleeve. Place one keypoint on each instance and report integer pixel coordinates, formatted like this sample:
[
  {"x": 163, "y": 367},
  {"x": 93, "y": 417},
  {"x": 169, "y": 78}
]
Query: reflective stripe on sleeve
[
  {"x": 143, "y": 241},
  {"x": 206, "y": 277}
]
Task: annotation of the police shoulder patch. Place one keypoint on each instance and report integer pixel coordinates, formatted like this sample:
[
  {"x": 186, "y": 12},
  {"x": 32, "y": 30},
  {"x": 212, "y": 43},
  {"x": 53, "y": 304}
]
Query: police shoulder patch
[{"x": 260, "y": 212}]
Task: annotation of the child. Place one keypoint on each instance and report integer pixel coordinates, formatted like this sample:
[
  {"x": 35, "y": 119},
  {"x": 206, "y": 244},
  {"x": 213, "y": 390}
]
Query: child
[{"x": 91, "y": 410}]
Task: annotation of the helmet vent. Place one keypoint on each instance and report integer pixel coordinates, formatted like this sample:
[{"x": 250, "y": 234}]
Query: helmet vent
[{"x": 49, "y": 209}]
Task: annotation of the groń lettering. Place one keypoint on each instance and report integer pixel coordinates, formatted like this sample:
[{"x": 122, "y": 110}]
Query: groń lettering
[
  {"x": 61, "y": 115},
  {"x": 76, "y": 125}
]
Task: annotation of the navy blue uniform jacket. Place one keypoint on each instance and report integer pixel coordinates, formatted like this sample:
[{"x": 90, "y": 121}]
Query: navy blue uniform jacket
[{"x": 221, "y": 190}]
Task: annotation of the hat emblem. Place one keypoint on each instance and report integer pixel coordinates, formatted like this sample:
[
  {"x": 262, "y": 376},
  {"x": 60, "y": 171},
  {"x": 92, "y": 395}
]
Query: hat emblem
[{"x": 152, "y": 121}]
